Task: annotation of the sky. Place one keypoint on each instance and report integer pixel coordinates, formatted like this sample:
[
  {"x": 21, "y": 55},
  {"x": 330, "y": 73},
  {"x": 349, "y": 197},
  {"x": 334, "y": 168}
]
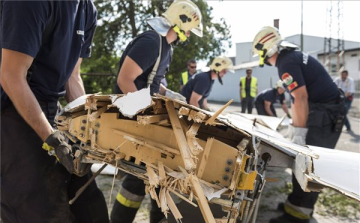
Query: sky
[{"x": 246, "y": 18}]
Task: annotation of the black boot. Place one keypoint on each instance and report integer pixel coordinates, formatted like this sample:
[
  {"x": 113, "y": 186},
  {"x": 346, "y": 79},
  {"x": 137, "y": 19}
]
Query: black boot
[{"x": 286, "y": 218}]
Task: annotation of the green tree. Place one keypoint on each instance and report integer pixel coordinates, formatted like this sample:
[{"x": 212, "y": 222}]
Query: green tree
[{"x": 120, "y": 21}]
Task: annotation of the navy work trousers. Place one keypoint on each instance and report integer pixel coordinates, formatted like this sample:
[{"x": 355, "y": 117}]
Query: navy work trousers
[
  {"x": 34, "y": 186},
  {"x": 247, "y": 103},
  {"x": 321, "y": 133},
  {"x": 122, "y": 214}
]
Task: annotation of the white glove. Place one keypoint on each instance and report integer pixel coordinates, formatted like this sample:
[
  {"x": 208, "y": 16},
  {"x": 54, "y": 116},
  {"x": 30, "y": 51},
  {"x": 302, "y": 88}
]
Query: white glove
[
  {"x": 174, "y": 95},
  {"x": 290, "y": 132},
  {"x": 299, "y": 136}
]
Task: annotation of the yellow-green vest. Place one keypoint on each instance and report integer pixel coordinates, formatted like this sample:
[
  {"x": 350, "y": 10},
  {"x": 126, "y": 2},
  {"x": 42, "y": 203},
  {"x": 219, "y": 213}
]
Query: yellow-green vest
[
  {"x": 253, "y": 87},
  {"x": 185, "y": 77}
]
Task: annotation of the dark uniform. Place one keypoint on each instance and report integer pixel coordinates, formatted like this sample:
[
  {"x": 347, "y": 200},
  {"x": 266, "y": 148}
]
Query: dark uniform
[
  {"x": 200, "y": 84},
  {"x": 34, "y": 186},
  {"x": 271, "y": 95},
  {"x": 144, "y": 50},
  {"x": 325, "y": 119}
]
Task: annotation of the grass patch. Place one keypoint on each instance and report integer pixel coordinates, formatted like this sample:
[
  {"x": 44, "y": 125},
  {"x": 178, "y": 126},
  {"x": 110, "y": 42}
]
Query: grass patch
[{"x": 333, "y": 203}]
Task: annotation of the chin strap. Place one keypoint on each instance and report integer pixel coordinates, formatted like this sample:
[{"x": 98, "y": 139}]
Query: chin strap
[
  {"x": 219, "y": 78},
  {"x": 180, "y": 33}
]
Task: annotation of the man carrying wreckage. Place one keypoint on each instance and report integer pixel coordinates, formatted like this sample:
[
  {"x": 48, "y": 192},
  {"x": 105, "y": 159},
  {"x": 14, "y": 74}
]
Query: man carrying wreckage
[
  {"x": 318, "y": 109},
  {"x": 144, "y": 64},
  {"x": 197, "y": 89},
  {"x": 42, "y": 45}
]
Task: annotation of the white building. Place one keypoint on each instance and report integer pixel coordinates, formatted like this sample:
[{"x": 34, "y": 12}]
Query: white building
[{"x": 267, "y": 75}]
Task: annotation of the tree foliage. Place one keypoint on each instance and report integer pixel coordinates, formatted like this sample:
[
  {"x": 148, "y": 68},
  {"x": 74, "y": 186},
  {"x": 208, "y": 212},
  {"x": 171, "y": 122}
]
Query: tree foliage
[{"x": 120, "y": 21}]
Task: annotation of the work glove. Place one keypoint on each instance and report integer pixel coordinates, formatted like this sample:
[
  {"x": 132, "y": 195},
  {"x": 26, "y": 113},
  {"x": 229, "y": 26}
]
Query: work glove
[
  {"x": 174, "y": 95},
  {"x": 290, "y": 132},
  {"x": 56, "y": 145},
  {"x": 299, "y": 136}
]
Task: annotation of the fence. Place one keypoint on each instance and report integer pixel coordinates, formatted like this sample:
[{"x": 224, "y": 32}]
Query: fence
[{"x": 99, "y": 82}]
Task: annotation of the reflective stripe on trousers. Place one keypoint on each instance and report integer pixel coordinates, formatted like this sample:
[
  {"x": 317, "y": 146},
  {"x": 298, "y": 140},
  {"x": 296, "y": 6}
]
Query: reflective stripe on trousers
[
  {"x": 129, "y": 199},
  {"x": 298, "y": 212}
]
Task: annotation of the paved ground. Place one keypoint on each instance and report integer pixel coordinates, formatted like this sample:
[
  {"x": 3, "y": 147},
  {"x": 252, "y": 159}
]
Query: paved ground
[{"x": 330, "y": 208}]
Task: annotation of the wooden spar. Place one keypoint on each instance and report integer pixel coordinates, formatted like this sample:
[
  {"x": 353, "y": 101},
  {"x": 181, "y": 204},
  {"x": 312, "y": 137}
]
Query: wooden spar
[
  {"x": 204, "y": 158},
  {"x": 149, "y": 119},
  {"x": 180, "y": 137},
  {"x": 201, "y": 199},
  {"x": 211, "y": 120}
]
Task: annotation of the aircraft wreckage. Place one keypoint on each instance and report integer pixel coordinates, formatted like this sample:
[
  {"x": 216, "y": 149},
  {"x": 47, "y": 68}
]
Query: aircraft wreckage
[{"x": 198, "y": 156}]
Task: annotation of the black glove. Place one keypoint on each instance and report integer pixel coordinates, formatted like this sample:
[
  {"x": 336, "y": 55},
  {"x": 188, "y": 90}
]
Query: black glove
[{"x": 56, "y": 145}]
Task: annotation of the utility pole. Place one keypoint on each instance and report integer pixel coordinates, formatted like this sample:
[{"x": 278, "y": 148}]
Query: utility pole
[{"x": 302, "y": 35}]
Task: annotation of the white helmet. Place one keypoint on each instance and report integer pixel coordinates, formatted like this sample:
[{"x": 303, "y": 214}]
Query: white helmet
[
  {"x": 267, "y": 42},
  {"x": 280, "y": 84},
  {"x": 182, "y": 16},
  {"x": 220, "y": 63}
]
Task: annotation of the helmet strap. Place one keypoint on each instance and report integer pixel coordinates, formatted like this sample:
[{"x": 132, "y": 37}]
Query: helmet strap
[
  {"x": 262, "y": 57},
  {"x": 219, "y": 78},
  {"x": 180, "y": 33}
]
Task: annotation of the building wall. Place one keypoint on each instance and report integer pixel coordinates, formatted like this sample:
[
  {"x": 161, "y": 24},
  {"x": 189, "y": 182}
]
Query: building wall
[
  {"x": 352, "y": 64},
  {"x": 267, "y": 76}
]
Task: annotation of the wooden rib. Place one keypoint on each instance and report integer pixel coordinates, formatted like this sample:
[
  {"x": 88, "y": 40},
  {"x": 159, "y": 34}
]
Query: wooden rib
[
  {"x": 196, "y": 116},
  {"x": 97, "y": 114},
  {"x": 201, "y": 199},
  {"x": 184, "y": 111},
  {"x": 204, "y": 157},
  {"x": 148, "y": 142},
  {"x": 174, "y": 210},
  {"x": 162, "y": 173},
  {"x": 149, "y": 119},
  {"x": 211, "y": 120},
  {"x": 180, "y": 137},
  {"x": 182, "y": 197}
]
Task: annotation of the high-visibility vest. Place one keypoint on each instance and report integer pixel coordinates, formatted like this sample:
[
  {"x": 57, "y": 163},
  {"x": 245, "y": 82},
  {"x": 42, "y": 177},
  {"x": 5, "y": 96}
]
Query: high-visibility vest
[
  {"x": 253, "y": 86},
  {"x": 185, "y": 77}
]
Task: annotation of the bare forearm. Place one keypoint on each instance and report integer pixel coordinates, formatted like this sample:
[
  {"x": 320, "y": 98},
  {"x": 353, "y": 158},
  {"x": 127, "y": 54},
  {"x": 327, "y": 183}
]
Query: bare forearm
[
  {"x": 27, "y": 106},
  {"x": 74, "y": 88},
  {"x": 127, "y": 86},
  {"x": 205, "y": 104},
  {"x": 284, "y": 107},
  {"x": 162, "y": 89},
  {"x": 268, "y": 110},
  {"x": 194, "y": 102},
  {"x": 300, "y": 111}
]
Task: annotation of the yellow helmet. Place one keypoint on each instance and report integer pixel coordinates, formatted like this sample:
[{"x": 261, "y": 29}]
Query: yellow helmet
[
  {"x": 267, "y": 42},
  {"x": 280, "y": 84},
  {"x": 220, "y": 63},
  {"x": 182, "y": 16}
]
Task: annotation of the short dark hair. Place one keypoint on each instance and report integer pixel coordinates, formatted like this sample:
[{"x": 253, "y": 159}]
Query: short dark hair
[
  {"x": 248, "y": 69},
  {"x": 191, "y": 61},
  {"x": 345, "y": 71}
]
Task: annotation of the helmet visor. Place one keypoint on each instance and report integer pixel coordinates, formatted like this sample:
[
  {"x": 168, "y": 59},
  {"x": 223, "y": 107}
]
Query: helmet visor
[{"x": 198, "y": 30}]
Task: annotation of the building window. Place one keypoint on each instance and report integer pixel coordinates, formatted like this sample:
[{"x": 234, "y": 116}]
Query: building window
[{"x": 354, "y": 55}]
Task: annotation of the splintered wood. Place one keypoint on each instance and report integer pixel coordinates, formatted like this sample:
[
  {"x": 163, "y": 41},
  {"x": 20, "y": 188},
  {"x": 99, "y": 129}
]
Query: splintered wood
[
  {"x": 177, "y": 149},
  {"x": 180, "y": 137}
]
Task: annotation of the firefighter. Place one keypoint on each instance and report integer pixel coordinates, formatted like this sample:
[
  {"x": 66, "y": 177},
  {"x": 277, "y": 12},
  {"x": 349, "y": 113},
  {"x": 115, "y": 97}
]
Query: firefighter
[
  {"x": 264, "y": 102},
  {"x": 248, "y": 91},
  {"x": 188, "y": 74},
  {"x": 141, "y": 66},
  {"x": 42, "y": 45},
  {"x": 318, "y": 108},
  {"x": 198, "y": 88}
]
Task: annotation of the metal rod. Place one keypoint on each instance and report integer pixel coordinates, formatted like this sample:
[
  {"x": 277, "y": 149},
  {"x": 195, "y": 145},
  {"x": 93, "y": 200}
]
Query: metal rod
[{"x": 81, "y": 190}]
